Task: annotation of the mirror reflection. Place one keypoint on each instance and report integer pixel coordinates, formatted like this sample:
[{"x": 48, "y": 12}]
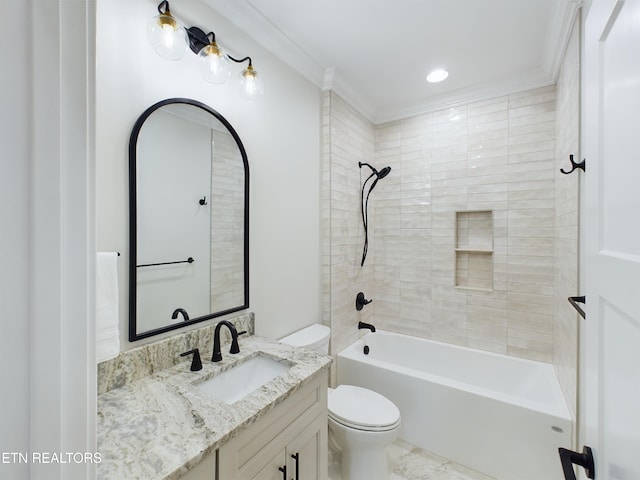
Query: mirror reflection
[{"x": 188, "y": 218}]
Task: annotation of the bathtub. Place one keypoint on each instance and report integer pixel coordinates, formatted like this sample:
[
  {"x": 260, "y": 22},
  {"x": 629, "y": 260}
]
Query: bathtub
[{"x": 499, "y": 415}]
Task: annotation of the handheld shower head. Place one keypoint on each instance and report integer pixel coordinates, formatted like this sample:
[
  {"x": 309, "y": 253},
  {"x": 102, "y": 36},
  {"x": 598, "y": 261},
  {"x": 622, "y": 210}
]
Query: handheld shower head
[
  {"x": 379, "y": 174},
  {"x": 384, "y": 172},
  {"x": 365, "y": 201}
]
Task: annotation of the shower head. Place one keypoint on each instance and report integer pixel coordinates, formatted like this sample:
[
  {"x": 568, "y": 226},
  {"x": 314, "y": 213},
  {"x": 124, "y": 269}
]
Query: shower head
[
  {"x": 365, "y": 201},
  {"x": 379, "y": 174},
  {"x": 384, "y": 172}
]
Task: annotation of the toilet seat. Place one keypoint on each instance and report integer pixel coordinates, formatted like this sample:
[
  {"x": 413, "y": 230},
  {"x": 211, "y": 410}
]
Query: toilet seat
[{"x": 362, "y": 409}]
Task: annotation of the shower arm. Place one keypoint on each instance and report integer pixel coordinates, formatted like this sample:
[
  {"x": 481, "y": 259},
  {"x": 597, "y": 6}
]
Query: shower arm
[{"x": 360, "y": 164}]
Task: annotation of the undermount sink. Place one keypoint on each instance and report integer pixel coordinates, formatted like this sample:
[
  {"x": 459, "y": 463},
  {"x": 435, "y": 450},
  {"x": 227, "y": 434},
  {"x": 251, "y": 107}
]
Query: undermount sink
[{"x": 246, "y": 377}]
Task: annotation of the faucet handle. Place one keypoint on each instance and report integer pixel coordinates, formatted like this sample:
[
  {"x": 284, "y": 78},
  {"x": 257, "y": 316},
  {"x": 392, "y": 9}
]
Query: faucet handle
[
  {"x": 196, "y": 363},
  {"x": 235, "y": 348},
  {"x": 361, "y": 301}
]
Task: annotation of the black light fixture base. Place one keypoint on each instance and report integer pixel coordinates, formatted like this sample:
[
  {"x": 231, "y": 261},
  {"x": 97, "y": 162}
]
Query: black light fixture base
[{"x": 197, "y": 39}]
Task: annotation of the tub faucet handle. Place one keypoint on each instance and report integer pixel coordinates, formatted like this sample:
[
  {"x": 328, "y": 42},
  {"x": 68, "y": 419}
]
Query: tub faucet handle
[{"x": 361, "y": 301}]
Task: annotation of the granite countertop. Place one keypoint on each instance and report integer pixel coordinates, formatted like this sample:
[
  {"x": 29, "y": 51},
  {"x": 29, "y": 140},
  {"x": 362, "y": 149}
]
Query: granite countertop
[{"x": 161, "y": 426}]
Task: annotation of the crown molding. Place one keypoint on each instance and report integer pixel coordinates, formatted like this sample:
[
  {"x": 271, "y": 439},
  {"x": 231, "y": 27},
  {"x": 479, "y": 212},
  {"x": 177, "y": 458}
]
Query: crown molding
[
  {"x": 246, "y": 17},
  {"x": 335, "y": 83},
  {"x": 564, "y": 15},
  {"x": 250, "y": 20},
  {"x": 484, "y": 91}
]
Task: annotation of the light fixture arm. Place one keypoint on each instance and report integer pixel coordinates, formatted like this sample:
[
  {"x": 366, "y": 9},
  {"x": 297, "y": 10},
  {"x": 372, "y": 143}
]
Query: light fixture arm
[
  {"x": 164, "y": 4},
  {"x": 241, "y": 60}
]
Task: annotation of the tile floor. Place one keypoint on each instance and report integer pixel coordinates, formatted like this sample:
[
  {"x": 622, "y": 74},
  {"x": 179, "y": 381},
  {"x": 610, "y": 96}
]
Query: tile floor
[{"x": 408, "y": 462}]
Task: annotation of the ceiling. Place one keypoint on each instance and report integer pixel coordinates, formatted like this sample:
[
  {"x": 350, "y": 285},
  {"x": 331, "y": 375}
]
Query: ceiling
[{"x": 377, "y": 53}]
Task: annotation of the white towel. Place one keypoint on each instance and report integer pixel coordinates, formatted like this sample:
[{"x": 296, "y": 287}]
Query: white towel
[{"x": 107, "y": 308}]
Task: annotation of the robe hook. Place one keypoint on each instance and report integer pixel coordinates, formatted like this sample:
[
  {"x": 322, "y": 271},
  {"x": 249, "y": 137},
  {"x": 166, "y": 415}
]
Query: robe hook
[{"x": 574, "y": 165}]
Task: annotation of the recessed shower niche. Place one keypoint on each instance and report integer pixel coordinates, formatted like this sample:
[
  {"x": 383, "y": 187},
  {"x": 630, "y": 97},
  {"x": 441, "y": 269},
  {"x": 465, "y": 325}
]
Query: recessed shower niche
[{"x": 474, "y": 250}]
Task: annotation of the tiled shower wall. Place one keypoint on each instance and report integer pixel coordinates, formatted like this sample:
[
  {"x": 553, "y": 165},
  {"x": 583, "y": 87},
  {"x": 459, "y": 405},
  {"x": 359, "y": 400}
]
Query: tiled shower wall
[
  {"x": 565, "y": 355},
  {"x": 227, "y": 222},
  {"x": 497, "y": 156},
  {"x": 348, "y": 138}
]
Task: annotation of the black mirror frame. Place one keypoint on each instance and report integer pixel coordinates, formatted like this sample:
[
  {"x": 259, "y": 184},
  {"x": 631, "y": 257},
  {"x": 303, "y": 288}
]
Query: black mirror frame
[{"x": 133, "y": 334}]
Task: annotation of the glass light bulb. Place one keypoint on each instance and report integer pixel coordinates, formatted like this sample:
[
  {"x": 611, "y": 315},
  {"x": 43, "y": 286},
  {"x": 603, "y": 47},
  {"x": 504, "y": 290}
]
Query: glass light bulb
[
  {"x": 167, "y": 37},
  {"x": 215, "y": 64},
  {"x": 251, "y": 86}
]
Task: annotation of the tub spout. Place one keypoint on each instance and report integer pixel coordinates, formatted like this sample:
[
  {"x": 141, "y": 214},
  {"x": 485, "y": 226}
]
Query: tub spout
[{"x": 362, "y": 325}]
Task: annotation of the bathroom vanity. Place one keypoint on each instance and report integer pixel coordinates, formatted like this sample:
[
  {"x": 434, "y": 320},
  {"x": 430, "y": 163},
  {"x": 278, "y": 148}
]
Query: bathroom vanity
[
  {"x": 288, "y": 442},
  {"x": 291, "y": 439},
  {"x": 167, "y": 425}
]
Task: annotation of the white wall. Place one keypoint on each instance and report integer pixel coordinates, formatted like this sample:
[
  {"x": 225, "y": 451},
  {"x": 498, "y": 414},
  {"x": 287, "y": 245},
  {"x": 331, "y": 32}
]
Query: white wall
[
  {"x": 281, "y": 134},
  {"x": 14, "y": 241},
  {"x": 48, "y": 255}
]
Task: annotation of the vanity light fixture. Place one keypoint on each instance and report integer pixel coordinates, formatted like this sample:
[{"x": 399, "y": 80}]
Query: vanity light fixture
[
  {"x": 251, "y": 86},
  {"x": 437, "y": 75},
  {"x": 169, "y": 39}
]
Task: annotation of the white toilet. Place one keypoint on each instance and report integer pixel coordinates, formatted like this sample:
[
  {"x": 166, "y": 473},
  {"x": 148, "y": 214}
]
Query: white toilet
[{"x": 362, "y": 423}]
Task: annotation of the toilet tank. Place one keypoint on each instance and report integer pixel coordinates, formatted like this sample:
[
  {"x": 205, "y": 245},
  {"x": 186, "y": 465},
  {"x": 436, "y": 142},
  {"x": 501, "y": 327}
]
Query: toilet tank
[{"x": 314, "y": 337}]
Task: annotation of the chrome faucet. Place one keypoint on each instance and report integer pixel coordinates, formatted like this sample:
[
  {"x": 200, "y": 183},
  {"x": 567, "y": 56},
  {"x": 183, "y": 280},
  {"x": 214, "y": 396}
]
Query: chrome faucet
[{"x": 235, "y": 348}]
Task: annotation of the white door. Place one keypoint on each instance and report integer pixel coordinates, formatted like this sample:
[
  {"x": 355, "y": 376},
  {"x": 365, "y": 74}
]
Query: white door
[{"x": 610, "y": 340}]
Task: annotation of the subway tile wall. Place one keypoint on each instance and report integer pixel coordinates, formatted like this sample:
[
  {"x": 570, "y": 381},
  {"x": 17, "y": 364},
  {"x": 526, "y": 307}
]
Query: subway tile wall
[
  {"x": 348, "y": 138},
  {"x": 565, "y": 355},
  {"x": 227, "y": 222},
  {"x": 499, "y": 155},
  {"x": 494, "y": 155}
]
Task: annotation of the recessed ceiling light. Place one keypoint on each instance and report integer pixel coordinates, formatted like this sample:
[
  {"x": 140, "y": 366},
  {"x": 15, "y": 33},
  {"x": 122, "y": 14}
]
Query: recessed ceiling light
[{"x": 437, "y": 75}]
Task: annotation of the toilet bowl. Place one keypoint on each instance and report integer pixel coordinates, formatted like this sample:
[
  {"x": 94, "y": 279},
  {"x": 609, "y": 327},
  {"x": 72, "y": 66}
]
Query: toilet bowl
[{"x": 362, "y": 423}]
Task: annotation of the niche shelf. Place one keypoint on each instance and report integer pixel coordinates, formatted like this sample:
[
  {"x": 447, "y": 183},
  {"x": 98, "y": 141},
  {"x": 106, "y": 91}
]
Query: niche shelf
[{"x": 474, "y": 250}]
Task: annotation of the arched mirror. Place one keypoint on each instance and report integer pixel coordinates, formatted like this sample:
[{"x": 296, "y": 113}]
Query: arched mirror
[{"x": 188, "y": 218}]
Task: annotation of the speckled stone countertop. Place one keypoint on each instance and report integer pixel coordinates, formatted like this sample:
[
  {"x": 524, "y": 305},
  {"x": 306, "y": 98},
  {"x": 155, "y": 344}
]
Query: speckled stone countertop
[{"x": 161, "y": 426}]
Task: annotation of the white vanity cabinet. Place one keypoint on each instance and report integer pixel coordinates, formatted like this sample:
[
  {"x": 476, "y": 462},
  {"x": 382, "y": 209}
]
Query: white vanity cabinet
[
  {"x": 205, "y": 470},
  {"x": 287, "y": 443}
]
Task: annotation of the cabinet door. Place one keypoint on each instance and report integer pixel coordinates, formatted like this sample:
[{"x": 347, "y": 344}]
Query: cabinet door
[
  {"x": 307, "y": 453},
  {"x": 271, "y": 471},
  {"x": 297, "y": 425}
]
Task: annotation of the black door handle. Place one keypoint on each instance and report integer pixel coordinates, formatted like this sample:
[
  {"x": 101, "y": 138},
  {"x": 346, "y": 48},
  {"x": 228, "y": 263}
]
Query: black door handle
[
  {"x": 284, "y": 472},
  {"x": 296, "y": 457},
  {"x": 584, "y": 459}
]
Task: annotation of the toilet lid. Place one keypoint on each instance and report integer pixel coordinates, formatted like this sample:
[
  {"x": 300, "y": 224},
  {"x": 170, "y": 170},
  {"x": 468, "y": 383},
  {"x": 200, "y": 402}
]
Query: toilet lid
[{"x": 362, "y": 408}]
